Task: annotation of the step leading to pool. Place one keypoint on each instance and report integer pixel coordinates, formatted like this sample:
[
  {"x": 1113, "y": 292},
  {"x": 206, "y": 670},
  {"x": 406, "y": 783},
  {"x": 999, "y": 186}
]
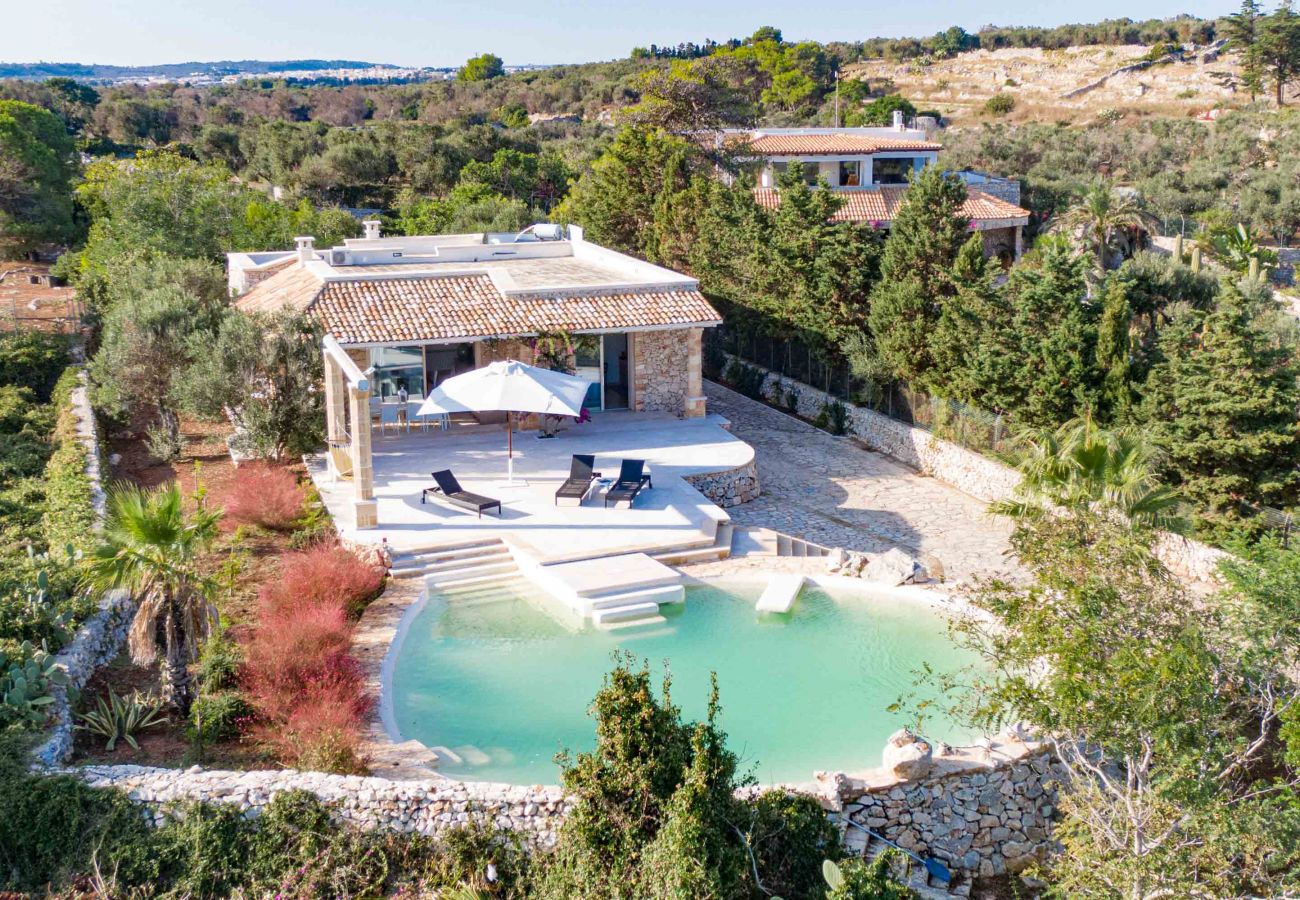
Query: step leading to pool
[{"x": 622, "y": 588}]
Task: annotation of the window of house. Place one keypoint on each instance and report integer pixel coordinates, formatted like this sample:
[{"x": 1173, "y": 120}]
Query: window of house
[
  {"x": 891, "y": 171},
  {"x": 850, "y": 173},
  {"x": 810, "y": 172},
  {"x": 398, "y": 367}
]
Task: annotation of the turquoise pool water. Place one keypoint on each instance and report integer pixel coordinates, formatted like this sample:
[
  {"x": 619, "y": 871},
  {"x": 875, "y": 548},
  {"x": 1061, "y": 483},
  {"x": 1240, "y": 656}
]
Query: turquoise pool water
[{"x": 505, "y": 685}]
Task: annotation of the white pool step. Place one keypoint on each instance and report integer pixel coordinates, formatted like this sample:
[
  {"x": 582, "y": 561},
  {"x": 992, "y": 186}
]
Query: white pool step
[
  {"x": 720, "y": 548},
  {"x": 481, "y": 580},
  {"x": 664, "y": 593},
  {"x": 637, "y": 628},
  {"x": 414, "y": 563},
  {"x": 780, "y": 593},
  {"x": 625, "y": 612}
]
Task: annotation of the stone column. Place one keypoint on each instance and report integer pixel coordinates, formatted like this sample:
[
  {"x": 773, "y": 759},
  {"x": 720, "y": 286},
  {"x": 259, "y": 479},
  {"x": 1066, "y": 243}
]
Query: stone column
[
  {"x": 1020, "y": 240},
  {"x": 363, "y": 474},
  {"x": 695, "y": 400},
  {"x": 336, "y": 399}
]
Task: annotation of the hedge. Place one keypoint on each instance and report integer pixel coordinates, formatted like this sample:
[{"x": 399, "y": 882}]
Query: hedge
[{"x": 69, "y": 517}]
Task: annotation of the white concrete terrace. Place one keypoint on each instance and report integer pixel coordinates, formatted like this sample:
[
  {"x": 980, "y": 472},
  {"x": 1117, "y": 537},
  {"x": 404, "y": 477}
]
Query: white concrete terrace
[{"x": 670, "y": 515}]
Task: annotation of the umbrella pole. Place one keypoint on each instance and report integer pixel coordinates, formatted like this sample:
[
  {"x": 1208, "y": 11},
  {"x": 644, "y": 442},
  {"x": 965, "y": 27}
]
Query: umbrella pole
[{"x": 510, "y": 450}]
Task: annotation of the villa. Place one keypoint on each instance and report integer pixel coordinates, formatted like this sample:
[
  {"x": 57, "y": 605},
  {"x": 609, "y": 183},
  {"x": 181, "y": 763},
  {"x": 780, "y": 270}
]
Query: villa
[
  {"x": 402, "y": 314},
  {"x": 870, "y": 168}
]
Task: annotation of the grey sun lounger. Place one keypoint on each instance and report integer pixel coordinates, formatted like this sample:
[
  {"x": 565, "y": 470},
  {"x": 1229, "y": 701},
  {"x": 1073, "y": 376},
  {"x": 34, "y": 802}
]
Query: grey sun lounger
[
  {"x": 581, "y": 478},
  {"x": 632, "y": 478},
  {"x": 452, "y": 492}
]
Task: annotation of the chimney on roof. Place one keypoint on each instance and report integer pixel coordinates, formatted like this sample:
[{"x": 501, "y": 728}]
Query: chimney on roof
[
  {"x": 306, "y": 248},
  {"x": 371, "y": 227},
  {"x": 898, "y": 120}
]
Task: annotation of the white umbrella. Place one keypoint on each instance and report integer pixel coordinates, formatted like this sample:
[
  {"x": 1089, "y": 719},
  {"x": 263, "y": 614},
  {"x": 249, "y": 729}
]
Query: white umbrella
[{"x": 510, "y": 387}]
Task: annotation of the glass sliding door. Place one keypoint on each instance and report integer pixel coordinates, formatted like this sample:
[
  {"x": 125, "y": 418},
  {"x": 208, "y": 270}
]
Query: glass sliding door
[
  {"x": 614, "y": 371},
  {"x": 398, "y": 367}
]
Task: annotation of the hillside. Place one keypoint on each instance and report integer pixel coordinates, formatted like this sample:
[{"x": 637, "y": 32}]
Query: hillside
[
  {"x": 97, "y": 71},
  {"x": 1071, "y": 84}
]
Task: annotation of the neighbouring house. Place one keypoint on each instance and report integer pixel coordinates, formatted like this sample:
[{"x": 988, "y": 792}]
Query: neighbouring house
[
  {"x": 407, "y": 312},
  {"x": 870, "y": 168}
]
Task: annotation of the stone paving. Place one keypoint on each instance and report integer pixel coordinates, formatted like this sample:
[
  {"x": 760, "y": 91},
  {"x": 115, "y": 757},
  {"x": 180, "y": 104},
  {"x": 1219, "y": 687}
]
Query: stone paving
[{"x": 832, "y": 491}]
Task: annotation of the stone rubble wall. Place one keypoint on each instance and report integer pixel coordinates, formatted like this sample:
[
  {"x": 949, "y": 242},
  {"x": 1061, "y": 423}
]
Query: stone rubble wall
[
  {"x": 660, "y": 370},
  {"x": 982, "y": 821},
  {"x": 100, "y": 638},
  {"x": 428, "y": 807},
  {"x": 728, "y": 488},
  {"x": 970, "y": 472}
]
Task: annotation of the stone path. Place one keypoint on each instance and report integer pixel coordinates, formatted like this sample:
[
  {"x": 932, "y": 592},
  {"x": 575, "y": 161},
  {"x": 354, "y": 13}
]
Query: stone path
[{"x": 832, "y": 491}]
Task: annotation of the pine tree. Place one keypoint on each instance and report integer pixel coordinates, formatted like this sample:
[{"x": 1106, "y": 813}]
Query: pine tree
[
  {"x": 1242, "y": 31},
  {"x": 1056, "y": 325},
  {"x": 1278, "y": 46},
  {"x": 1113, "y": 356},
  {"x": 915, "y": 272},
  {"x": 1221, "y": 401}
]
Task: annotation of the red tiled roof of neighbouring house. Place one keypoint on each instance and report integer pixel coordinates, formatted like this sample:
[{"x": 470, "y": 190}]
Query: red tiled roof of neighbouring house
[
  {"x": 467, "y": 306},
  {"x": 826, "y": 144},
  {"x": 881, "y": 204}
]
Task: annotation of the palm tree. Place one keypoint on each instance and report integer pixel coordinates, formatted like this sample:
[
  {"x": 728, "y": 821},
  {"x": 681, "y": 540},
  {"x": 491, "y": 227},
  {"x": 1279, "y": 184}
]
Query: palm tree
[
  {"x": 1080, "y": 466},
  {"x": 1101, "y": 215},
  {"x": 150, "y": 546}
]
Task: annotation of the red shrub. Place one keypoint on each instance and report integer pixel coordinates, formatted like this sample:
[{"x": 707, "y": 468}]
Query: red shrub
[
  {"x": 295, "y": 643},
  {"x": 321, "y": 733},
  {"x": 323, "y": 573},
  {"x": 265, "y": 495}
]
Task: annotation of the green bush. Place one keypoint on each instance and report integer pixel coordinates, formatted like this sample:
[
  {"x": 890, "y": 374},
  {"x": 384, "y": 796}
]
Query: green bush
[
  {"x": 833, "y": 417},
  {"x": 69, "y": 515},
  {"x": 33, "y": 360},
  {"x": 745, "y": 379},
  {"x": 999, "y": 104},
  {"x": 857, "y": 879},
  {"x": 790, "y": 837},
  {"x": 39, "y": 601},
  {"x": 218, "y": 717}
]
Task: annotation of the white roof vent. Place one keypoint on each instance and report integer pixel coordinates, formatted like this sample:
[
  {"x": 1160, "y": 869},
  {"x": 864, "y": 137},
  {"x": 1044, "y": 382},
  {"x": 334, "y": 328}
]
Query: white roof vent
[
  {"x": 306, "y": 245},
  {"x": 371, "y": 227},
  {"x": 543, "y": 231}
]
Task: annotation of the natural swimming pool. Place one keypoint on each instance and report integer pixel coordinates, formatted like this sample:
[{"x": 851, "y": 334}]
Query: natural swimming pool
[{"x": 504, "y": 685}]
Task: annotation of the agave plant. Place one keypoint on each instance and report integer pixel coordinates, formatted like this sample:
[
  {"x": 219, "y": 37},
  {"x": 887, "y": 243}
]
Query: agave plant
[
  {"x": 121, "y": 717},
  {"x": 1240, "y": 250}
]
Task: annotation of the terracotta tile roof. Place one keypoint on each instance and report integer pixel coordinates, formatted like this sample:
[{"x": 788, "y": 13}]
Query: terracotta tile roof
[
  {"x": 828, "y": 145},
  {"x": 881, "y": 204},
  {"x": 434, "y": 308}
]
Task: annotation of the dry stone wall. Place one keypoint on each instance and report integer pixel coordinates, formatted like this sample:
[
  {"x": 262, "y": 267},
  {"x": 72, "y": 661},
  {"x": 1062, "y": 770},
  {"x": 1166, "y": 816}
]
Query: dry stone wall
[
  {"x": 660, "y": 370},
  {"x": 983, "y": 478},
  {"x": 731, "y": 487}
]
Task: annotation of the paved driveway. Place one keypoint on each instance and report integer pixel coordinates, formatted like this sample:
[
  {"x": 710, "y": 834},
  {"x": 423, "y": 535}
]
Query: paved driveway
[{"x": 833, "y": 491}]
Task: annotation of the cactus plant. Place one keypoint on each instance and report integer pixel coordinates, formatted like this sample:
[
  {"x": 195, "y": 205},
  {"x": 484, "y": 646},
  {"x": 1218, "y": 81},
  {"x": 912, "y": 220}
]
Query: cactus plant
[{"x": 25, "y": 682}]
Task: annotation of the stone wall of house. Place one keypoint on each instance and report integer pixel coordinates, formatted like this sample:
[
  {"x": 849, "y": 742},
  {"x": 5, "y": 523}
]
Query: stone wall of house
[
  {"x": 983, "y": 478},
  {"x": 980, "y": 820},
  {"x": 731, "y": 487},
  {"x": 427, "y": 807},
  {"x": 660, "y": 374},
  {"x": 495, "y": 351}
]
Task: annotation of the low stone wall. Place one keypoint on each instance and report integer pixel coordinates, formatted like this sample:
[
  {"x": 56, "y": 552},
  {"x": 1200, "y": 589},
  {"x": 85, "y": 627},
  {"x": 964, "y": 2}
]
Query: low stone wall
[
  {"x": 980, "y": 820},
  {"x": 96, "y": 642},
  {"x": 427, "y": 807},
  {"x": 731, "y": 487},
  {"x": 971, "y": 473}
]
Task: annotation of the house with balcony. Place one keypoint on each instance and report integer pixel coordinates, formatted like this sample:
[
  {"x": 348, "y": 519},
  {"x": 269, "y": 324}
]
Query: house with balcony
[{"x": 871, "y": 168}]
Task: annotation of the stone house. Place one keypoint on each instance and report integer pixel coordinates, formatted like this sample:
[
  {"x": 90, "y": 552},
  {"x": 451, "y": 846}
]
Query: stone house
[{"x": 405, "y": 313}]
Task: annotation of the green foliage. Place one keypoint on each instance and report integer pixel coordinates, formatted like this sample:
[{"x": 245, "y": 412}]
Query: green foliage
[
  {"x": 833, "y": 417},
  {"x": 120, "y": 717},
  {"x": 746, "y": 379},
  {"x": 915, "y": 272},
  {"x": 263, "y": 372},
  {"x": 33, "y": 360},
  {"x": 790, "y": 837},
  {"x": 217, "y": 717},
  {"x": 999, "y": 104},
  {"x": 38, "y": 600},
  {"x": 26, "y": 676},
  {"x": 68, "y": 518},
  {"x": 1221, "y": 401},
  {"x": 35, "y": 182},
  {"x": 880, "y": 111},
  {"x": 857, "y": 879},
  {"x": 1238, "y": 249},
  {"x": 481, "y": 68}
]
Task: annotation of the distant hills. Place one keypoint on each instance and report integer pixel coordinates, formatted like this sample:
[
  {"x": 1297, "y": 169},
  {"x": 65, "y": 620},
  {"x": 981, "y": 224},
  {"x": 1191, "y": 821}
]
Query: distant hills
[{"x": 210, "y": 70}]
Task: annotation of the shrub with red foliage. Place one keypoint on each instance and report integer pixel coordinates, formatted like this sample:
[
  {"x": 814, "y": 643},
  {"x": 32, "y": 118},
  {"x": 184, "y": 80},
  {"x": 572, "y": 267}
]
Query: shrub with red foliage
[
  {"x": 321, "y": 732},
  {"x": 324, "y": 572},
  {"x": 266, "y": 495}
]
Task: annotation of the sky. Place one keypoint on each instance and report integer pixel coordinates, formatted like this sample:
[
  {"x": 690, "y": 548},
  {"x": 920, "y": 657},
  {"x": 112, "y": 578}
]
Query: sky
[{"x": 437, "y": 33}]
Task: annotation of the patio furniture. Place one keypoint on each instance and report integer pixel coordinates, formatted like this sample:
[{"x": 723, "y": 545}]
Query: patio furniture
[
  {"x": 581, "y": 478},
  {"x": 632, "y": 478},
  {"x": 453, "y": 493},
  {"x": 341, "y": 459},
  {"x": 508, "y": 386},
  {"x": 388, "y": 416}
]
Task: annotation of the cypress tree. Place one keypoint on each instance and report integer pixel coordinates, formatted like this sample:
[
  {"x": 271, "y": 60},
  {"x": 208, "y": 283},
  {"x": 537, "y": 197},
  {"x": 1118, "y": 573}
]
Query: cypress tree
[
  {"x": 916, "y": 271},
  {"x": 1221, "y": 401},
  {"x": 1113, "y": 358}
]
